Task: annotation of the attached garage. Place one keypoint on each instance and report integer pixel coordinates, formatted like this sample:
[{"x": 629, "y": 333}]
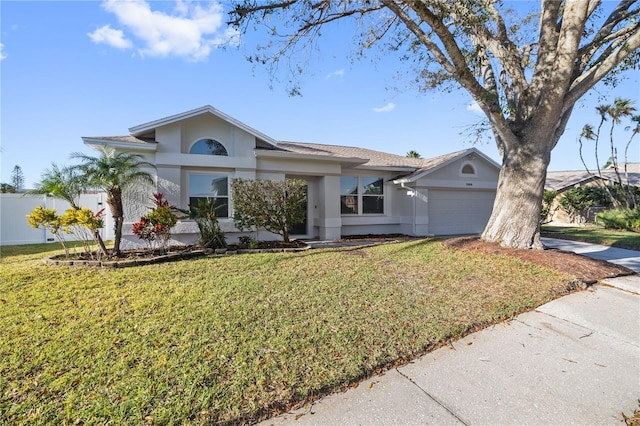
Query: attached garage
[
  {"x": 454, "y": 196},
  {"x": 454, "y": 212}
]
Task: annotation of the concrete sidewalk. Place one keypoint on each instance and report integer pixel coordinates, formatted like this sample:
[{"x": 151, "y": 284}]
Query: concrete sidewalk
[
  {"x": 575, "y": 360},
  {"x": 619, "y": 256}
]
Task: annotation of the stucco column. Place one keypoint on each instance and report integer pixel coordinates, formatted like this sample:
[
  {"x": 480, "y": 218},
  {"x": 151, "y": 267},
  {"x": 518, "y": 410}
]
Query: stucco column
[{"x": 329, "y": 220}]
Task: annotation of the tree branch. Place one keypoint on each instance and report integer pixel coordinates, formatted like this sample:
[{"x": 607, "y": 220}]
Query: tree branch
[
  {"x": 606, "y": 32},
  {"x": 241, "y": 12},
  {"x": 607, "y": 61}
]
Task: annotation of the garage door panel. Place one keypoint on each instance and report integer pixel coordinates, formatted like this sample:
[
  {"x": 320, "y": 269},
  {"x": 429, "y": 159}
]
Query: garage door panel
[{"x": 459, "y": 212}]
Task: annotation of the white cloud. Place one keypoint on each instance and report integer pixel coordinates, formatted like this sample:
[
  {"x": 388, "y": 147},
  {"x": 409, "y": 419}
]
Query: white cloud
[
  {"x": 2, "y": 54},
  {"x": 111, "y": 37},
  {"x": 336, "y": 73},
  {"x": 475, "y": 108},
  {"x": 189, "y": 31},
  {"x": 388, "y": 107}
]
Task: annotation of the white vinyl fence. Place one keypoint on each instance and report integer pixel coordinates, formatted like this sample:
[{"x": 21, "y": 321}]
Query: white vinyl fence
[{"x": 14, "y": 209}]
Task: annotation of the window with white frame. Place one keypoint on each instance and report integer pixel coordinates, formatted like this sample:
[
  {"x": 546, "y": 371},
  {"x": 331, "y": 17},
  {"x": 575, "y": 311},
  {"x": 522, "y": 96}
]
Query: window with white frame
[
  {"x": 208, "y": 147},
  {"x": 361, "y": 195},
  {"x": 467, "y": 169},
  {"x": 210, "y": 186}
]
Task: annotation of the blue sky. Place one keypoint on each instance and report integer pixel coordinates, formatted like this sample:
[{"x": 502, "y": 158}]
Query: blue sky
[{"x": 71, "y": 69}]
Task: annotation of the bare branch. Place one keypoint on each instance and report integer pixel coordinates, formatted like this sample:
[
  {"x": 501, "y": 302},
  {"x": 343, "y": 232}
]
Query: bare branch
[
  {"x": 607, "y": 61},
  {"x": 606, "y": 32},
  {"x": 243, "y": 11}
]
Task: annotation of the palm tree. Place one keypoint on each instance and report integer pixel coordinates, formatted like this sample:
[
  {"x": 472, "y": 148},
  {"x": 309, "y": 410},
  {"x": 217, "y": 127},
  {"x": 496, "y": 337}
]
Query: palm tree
[
  {"x": 65, "y": 183},
  {"x": 635, "y": 129},
  {"x": 114, "y": 172},
  {"x": 413, "y": 154},
  {"x": 620, "y": 108}
]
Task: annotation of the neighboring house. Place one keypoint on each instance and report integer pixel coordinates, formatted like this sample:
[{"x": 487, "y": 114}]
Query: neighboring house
[
  {"x": 562, "y": 181},
  {"x": 351, "y": 191}
]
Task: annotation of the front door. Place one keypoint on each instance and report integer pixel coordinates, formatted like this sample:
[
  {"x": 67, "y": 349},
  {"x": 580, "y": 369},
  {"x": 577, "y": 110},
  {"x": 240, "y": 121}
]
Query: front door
[{"x": 301, "y": 228}]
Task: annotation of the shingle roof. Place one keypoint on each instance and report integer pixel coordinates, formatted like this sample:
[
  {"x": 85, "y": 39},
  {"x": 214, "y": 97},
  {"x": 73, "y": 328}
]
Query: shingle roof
[
  {"x": 376, "y": 158},
  {"x": 560, "y": 180}
]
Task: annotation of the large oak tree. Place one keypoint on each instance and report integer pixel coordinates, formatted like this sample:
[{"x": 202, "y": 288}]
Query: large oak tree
[{"x": 525, "y": 81}]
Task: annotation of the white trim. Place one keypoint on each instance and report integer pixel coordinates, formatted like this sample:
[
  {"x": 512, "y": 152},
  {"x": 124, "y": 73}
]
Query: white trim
[
  {"x": 470, "y": 151},
  {"x": 133, "y": 146},
  {"x": 469, "y": 175},
  {"x": 207, "y": 109}
]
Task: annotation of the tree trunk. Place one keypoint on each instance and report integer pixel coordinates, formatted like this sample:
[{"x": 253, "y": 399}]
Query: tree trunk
[
  {"x": 515, "y": 220},
  {"x": 114, "y": 200},
  {"x": 98, "y": 238}
]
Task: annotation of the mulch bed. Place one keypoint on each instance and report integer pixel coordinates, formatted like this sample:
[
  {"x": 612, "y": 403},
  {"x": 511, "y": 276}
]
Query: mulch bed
[{"x": 587, "y": 269}]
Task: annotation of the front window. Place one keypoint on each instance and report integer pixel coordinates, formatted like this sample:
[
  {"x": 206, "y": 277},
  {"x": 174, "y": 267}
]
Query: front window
[
  {"x": 372, "y": 197},
  {"x": 216, "y": 187},
  {"x": 361, "y": 195},
  {"x": 208, "y": 147},
  {"x": 349, "y": 195}
]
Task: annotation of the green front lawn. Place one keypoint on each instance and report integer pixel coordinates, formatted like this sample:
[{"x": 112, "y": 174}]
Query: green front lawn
[
  {"x": 594, "y": 234},
  {"x": 233, "y": 338}
]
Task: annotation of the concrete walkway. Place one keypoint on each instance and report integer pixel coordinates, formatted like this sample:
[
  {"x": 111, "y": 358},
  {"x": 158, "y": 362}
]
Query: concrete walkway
[
  {"x": 624, "y": 257},
  {"x": 575, "y": 360}
]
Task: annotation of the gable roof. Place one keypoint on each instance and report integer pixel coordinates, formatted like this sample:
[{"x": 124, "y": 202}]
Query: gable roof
[
  {"x": 144, "y": 128},
  {"x": 561, "y": 180},
  {"x": 431, "y": 165},
  {"x": 142, "y": 138}
]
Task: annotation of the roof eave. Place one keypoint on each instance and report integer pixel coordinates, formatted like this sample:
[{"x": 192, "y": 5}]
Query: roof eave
[
  {"x": 388, "y": 168},
  {"x": 137, "y": 146},
  {"x": 145, "y": 127},
  {"x": 298, "y": 156}
]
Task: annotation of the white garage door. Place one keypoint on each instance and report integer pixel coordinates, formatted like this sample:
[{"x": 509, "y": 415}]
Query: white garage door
[{"x": 459, "y": 212}]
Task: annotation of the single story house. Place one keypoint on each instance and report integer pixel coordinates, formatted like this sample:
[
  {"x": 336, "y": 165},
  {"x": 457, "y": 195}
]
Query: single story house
[{"x": 350, "y": 191}]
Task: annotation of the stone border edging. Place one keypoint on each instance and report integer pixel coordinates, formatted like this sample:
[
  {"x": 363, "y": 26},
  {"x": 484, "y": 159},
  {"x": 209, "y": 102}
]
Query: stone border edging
[{"x": 126, "y": 263}]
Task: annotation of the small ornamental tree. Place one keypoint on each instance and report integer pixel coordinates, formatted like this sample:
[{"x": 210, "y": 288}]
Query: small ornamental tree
[
  {"x": 156, "y": 226},
  {"x": 85, "y": 225},
  {"x": 275, "y": 206},
  {"x": 41, "y": 217},
  {"x": 82, "y": 223}
]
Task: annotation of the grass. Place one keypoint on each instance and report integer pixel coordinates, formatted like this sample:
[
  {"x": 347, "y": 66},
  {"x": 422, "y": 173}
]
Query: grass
[
  {"x": 594, "y": 234},
  {"x": 233, "y": 338}
]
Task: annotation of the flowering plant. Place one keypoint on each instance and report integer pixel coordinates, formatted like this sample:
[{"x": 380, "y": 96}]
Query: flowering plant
[{"x": 156, "y": 226}]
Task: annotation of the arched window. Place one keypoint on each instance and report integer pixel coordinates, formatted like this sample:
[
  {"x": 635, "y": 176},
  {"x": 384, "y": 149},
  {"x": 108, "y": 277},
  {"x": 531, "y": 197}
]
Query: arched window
[
  {"x": 468, "y": 170},
  {"x": 208, "y": 147}
]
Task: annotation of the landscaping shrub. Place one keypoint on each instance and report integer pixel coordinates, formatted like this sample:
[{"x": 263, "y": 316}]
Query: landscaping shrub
[
  {"x": 82, "y": 223},
  {"x": 576, "y": 201},
  {"x": 156, "y": 226},
  {"x": 547, "y": 203},
  {"x": 204, "y": 213},
  {"x": 276, "y": 206},
  {"x": 625, "y": 219}
]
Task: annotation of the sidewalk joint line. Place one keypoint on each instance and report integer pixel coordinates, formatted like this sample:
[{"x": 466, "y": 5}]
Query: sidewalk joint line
[{"x": 433, "y": 398}]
